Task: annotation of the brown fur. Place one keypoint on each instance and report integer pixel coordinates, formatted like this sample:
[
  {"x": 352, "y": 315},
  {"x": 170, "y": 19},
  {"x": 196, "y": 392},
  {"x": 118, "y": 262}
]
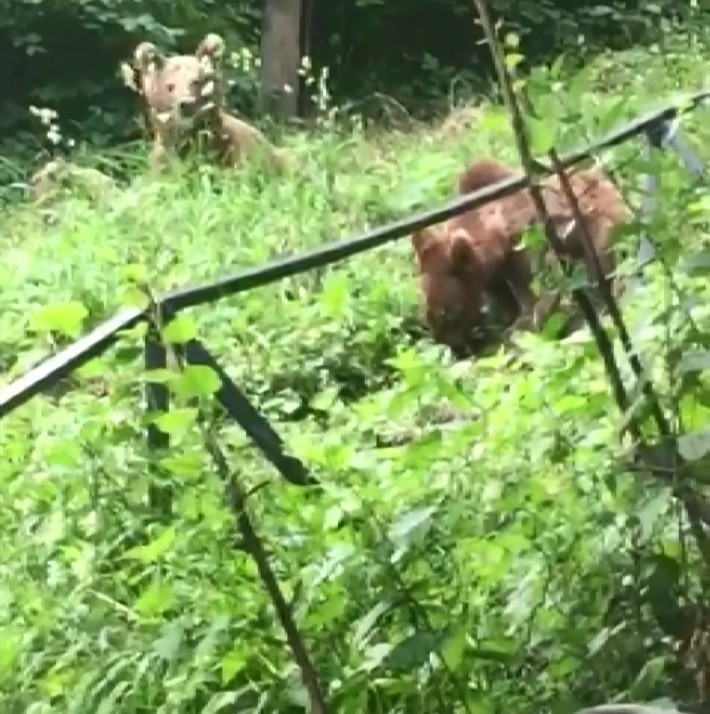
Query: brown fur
[
  {"x": 482, "y": 173},
  {"x": 477, "y": 254},
  {"x": 183, "y": 97}
]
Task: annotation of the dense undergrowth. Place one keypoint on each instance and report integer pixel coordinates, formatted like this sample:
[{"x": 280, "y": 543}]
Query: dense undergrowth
[{"x": 505, "y": 561}]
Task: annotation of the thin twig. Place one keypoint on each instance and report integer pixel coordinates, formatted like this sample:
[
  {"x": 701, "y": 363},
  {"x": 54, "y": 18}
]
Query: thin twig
[
  {"x": 605, "y": 288},
  {"x": 530, "y": 168},
  {"x": 694, "y": 505},
  {"x": 250, "y": 542}
]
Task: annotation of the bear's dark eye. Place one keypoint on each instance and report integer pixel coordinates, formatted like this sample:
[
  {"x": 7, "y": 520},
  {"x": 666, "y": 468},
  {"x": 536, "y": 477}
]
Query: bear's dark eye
[{"x": 171, "y": 88}]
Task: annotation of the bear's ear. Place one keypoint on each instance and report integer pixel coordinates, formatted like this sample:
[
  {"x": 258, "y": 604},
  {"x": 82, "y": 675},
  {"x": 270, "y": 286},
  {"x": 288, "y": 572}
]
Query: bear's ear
[
  {"x": 212, "y": 46},
  {"x": 423, "y": 238},
  {"x": 147, "y": 58}
]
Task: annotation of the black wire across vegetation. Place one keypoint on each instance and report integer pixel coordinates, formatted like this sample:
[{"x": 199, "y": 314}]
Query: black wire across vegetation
[{"x": 656, "y": 126}]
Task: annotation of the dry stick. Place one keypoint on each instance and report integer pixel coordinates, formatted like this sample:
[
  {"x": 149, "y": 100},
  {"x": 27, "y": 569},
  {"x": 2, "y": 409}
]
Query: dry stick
[
  {"x": 604, "y": 284},
  {"x": 519, "y": 130},
  {"x": 252, "y": 544},
  {"x": 694, "y": 507}
]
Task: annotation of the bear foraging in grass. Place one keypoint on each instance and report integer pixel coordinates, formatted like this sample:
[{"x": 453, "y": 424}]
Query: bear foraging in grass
[
  {"x": 470, "y": 258},
  {"x": 477, "y": 255},
  {"x": 183, "y": 97}
]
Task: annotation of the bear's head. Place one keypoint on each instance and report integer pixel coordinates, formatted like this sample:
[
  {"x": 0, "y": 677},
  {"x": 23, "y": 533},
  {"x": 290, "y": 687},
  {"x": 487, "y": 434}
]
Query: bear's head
[
  {"x": 180, "y": 92},
  {"x": 452, "y": 291}
]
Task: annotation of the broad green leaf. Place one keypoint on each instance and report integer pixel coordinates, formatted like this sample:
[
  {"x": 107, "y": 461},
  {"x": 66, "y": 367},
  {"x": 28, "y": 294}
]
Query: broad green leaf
[
  {"x": 513, "y": 59},
  {"x": 297, "y": 694},
  {"x": 600, "y": 640},
  {"x": 413, "y": 651},
  {"x": 453, "y": 649},
  {"x": 511, "y": 39},
  {"x": 185, "y": 465},
  {"x": 542, "y": 135},
  {"x": 410, "y": 521},
  {"x": 10, "y": 648},
  {"x": 651, "y": 513},
  {"x": 55, "y": 681},
  {"x": 613, "y": 115},
  {"x": 196, "y": 380},
  {"x": 155, "y": 599},
  {"x": 109, "y": 704},
  {"x": 571, "y": 403},
  {"x": 695, "y": 360},
  {"x": 180, "y": 329},
  {"x": 221, "y": 701},
  {"x": 494, "y": 121},
  {"x": 335, "y": 295},
  {"x": 697, "y": 263},
  {"x": 135, "y": 273},
  {"x": 366, "y": 623},
  {"x": 66, "y": 318},
  {"x": 150, "y": 552},
  {"x": 232, "y": 663},
  {"x": 696, "y": 445},
  {"x": 375, "y": 655},
  {"x": 159, "y": 376},
  {"x": 168, "y": 645},
  {"x": 648, "y": 678},
  {"x": 177, "y": 421},
  {"x": 332, "y": 564}
]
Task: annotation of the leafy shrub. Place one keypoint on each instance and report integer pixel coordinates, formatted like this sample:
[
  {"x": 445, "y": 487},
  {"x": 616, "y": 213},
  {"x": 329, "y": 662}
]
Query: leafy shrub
[
  {"x": 66, "y": 55},
  {"x": 510, "y": 559}
]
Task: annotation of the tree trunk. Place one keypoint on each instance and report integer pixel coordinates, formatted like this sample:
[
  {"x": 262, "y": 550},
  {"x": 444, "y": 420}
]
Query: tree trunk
[{"x": 280, "y": 56}]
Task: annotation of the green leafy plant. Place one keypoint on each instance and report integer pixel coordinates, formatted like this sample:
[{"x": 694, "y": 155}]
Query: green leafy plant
[{"x": 481, "y": 537}]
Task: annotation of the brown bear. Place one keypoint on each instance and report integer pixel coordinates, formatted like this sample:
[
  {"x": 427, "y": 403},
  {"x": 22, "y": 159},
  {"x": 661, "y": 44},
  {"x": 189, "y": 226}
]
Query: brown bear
[
  {"x": 183, "y": 97},
  {"x": 477, "y": 255}
]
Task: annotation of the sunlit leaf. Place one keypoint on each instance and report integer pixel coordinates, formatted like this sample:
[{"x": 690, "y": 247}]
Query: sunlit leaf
[
  {"x": 168, "y": 645},
  {"x": 177, "y": 421},
  {"x": 180, "y": 329},
  {"x": 155, "y": 599},
  {"x": 150, "y": 552},
  {"x": 696, "y": 445},
  {"x": 410, "y": 521},
  {"x": 196, "y": 380},
  {"x": 66, "y": 318},
  {"x": 232, "y": 663}
]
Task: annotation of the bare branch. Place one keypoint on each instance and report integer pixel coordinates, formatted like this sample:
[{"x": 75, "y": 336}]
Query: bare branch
[
  {"x": 694, "y": 505},
  {"x": 530, "y": 168},
  {"x": 607, "y": 293},
  {"x": 252, "y": 544},
  {"x": 248, "y": 540}
]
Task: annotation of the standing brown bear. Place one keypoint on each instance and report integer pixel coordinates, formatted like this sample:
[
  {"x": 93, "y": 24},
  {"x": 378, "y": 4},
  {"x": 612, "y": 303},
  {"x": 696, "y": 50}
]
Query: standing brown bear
[
  {"x": 183, "y": 97},
  {"x": 478, "y": 255}
]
